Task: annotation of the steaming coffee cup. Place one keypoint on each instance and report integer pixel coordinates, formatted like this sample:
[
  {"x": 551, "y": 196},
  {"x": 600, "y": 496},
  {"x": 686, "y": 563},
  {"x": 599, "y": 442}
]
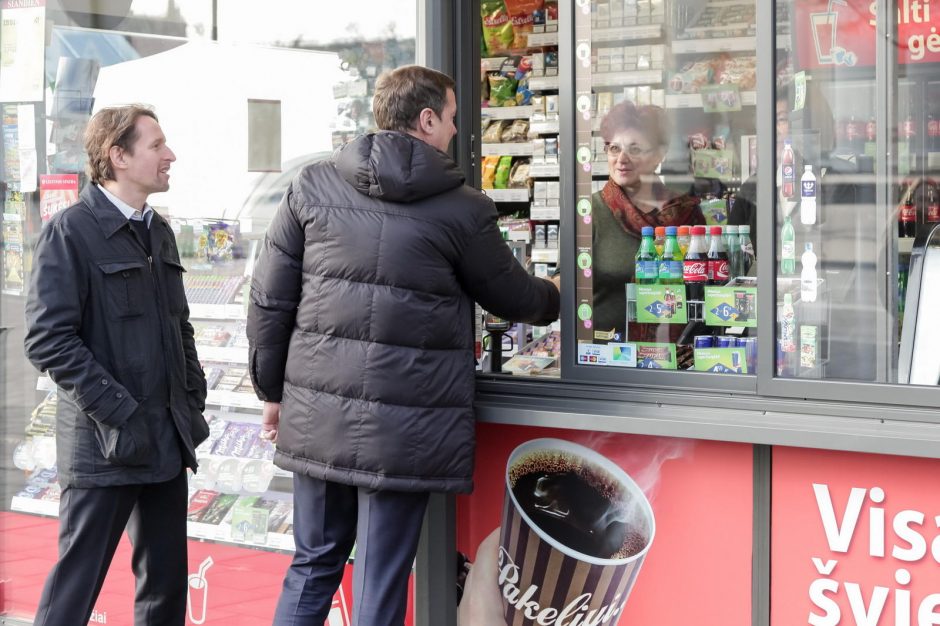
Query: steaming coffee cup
[{"x": 575, "y": 531}]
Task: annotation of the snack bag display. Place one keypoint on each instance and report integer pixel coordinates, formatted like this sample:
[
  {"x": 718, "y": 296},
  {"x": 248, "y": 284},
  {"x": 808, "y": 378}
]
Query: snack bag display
[
  {"x": 521, "y": 14},
  {"x": 519, "y": 175},
  {"x": 493, "y": 133},
  {"x": 502, "y": 90},
  {"x": 489, "y": 171},
  {"x": 497, "y": 27},
  {"x": 503, "y": 168}
]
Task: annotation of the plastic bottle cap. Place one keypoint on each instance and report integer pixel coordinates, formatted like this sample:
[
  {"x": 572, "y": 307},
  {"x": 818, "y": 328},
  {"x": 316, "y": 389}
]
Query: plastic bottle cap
[
  {"x": 660, "y": 230},
  {"x": 647, "y": 231},
  {"x": 698, "y": 230},
  {"x": 683, "y": 230},
  {"x": 716, "y": 230},
  {"x": 744, "y": 229},
  {"x": 670, "y": 231}
]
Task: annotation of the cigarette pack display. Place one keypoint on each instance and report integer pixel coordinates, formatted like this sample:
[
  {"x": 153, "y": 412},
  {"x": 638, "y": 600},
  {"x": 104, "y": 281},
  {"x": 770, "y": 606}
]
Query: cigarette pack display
[
  {"x": 279, "y": 516},
  {"x": 256, "y": 475},
  {"x": 218, "y": 508},
  {"x": 199, "y": 504}
]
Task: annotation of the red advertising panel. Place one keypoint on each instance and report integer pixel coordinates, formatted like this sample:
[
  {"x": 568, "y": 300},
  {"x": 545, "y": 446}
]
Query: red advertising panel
[
  {"x": 854, "y": 539},
  {"x": 228, "y": 585},
  {"x": 842, "y": 32},
  {"x": 682, "y": 509}
]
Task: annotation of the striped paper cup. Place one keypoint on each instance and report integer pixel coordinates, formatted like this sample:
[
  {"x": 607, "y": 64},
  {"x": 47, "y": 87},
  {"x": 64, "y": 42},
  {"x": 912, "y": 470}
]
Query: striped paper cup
[{"x": 544, "y": 582}]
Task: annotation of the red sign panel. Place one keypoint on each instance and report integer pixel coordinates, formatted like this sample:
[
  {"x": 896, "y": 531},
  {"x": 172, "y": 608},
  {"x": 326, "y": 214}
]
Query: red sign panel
[
  {"x": 831, "y": 33},
  {"x": 854, "y": 539}
]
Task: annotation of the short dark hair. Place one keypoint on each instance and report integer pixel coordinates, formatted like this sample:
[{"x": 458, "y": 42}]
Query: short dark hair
[
  {"x": 401, "y": 95},
  {"x": 114, "y": 126},
  {"x": 649, "y": 120}
]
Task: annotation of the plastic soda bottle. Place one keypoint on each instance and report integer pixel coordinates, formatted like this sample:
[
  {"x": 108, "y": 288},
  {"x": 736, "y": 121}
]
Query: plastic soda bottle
[
  {"x": 747, "y": 248},
  {"x": 932, "y": 210},
  {"x": 787, "y": 248},
  {"x": 695, "y": 265},
  {"x": 808, "y": 196},
  {"x": 789, "y": 170},
  {"x": 733, "y": 243},
  {"x": 684, "y": 237},
  {"x": 670, "y": 262},
  {"x": 718, "y": 271},
  {"x": 808, "y": 275},
  {"x": 660, "y": 239},
  {"x": 647, "y": 270}
]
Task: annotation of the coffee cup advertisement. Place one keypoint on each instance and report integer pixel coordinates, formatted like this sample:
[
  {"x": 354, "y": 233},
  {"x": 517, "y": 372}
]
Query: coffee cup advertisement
[
  {"x": 575, "y": 531},
  {"x": 587, "y": 528}
]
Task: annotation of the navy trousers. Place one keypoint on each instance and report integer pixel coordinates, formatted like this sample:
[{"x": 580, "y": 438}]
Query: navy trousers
[
  {"x": 329, "y": 518},
  {"x": 91, "y": 522}
]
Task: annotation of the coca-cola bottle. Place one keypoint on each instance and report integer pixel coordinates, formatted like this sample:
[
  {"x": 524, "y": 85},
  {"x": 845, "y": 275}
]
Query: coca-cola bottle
[
  {"x": 695, "y": 265},
  {"x": 933, "y": 132},
  {"x": 789, "y": 170},
  {"x": 907, "y": 215},
  {"x": 932, "y": 210},
  {"x": 718, "y": 270}
]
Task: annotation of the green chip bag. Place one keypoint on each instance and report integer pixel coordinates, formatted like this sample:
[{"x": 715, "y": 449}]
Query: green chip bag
[
  {"x": 497, "y": 27},
  {"x": 503, "y": 169}
]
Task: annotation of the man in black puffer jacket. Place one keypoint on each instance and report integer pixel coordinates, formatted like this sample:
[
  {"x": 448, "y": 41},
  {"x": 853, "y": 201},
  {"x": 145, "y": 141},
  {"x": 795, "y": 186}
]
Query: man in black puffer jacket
[{"x": 361, "y": 343}]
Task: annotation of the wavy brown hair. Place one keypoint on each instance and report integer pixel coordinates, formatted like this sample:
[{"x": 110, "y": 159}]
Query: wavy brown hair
[
  {"x": 649, "y": 120},
  {"x": 114, "y": 126}
]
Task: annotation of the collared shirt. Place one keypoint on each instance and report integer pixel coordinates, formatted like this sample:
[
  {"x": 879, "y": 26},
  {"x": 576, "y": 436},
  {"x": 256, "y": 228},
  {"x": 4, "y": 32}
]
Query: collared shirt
[{"x": 129, "y": 212}]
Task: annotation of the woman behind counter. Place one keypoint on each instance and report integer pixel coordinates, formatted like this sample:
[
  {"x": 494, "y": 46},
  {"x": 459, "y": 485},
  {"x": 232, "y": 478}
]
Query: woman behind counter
[{"x": 636, "y": 141}]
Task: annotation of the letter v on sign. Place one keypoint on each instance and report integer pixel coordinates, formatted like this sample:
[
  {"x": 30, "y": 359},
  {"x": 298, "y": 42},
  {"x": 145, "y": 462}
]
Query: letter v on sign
[{"x": 838, "y": 535}]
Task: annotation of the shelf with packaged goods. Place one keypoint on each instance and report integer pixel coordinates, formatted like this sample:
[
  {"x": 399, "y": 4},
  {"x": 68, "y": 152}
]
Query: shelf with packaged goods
[
  {"x": 506, "y": 149},
  {"x": 628, "y": 78},
  {"x": 507, "y": 195},
  {"x": 545, "y": 213},
  {"x": 626, "y": 33},
  {"x": 545, "y": 255},
  {"x": 544, "y": 170},
  {"x": 225, "y": 354},
  {"x": 540, "y": 40},
  {"x": 694, "y": 100},
  {"x": 507, "y": 113},
  {"x": 544, "y": 83},
  {"x": 716, "y": 44},
  {"x": 543, "y": 127},
  {"x": 233, "y": 399}
]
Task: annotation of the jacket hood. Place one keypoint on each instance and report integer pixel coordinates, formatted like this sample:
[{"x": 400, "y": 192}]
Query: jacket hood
[{"x": 396, "y": 167}]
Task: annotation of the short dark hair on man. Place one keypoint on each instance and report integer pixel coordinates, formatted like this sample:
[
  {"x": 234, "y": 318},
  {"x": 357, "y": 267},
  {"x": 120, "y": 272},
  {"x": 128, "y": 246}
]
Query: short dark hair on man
[
  {"x": 401, "y": 95},
  {"x": 113, "y": 126}
]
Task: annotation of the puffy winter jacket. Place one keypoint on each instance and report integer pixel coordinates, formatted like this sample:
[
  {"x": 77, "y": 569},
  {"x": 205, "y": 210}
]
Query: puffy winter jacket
[{"x": 361, "y": 315}]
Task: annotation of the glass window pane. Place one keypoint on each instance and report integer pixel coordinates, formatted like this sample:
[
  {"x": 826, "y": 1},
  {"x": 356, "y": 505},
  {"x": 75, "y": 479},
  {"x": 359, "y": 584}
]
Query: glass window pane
[
  {"x": 854, "y": 205},
  {"x": 665, "y": 210}
]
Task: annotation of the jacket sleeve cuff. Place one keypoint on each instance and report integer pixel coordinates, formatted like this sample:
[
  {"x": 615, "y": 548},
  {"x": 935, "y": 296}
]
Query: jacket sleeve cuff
[{"x": 113, "y": 408}]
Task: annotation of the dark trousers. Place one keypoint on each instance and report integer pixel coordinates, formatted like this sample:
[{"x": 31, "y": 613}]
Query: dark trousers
[
  {"x": 91, "y": 522},
  {"x": 328, "y": 519}
]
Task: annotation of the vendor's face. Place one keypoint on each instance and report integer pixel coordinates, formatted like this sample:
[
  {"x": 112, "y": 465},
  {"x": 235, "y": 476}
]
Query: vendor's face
[{"x": 631, "y": 156}]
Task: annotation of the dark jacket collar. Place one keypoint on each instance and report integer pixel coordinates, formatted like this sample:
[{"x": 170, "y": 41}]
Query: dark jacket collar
[{"x": 109, "y": 217}]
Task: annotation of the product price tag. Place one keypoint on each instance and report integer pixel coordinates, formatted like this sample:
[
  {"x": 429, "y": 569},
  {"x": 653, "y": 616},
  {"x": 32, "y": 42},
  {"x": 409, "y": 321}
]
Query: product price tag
[
  {"x": 731, "y": 306},
  {"x": 721, "y": 360},
  {"x": 661, "y": 304},
  {"x": 656, "y": 355}
]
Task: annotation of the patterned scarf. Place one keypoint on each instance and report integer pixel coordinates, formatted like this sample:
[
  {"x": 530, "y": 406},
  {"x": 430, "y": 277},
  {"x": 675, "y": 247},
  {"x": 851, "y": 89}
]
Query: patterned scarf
[{"x": 677, "y": 211}]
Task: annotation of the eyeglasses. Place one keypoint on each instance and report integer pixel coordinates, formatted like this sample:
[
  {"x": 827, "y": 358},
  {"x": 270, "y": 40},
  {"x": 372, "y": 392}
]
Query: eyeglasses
[{"x": 633, "y": 150}]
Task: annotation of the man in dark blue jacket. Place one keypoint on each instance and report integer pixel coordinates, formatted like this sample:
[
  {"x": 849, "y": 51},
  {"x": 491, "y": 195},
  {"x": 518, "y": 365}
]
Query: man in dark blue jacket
[
  {"x": 107, "y": 318},
  {"x": 361, "y": 344}
]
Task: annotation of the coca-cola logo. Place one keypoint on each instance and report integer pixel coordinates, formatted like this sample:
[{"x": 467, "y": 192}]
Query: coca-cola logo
[
  {"x": 694, "y": 271},
  {"x": 577, "y": 611},
  {"x": 719, "y": 269}
]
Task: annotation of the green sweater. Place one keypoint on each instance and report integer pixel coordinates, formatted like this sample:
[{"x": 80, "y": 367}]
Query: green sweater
[{"x": 613, "y": 262}]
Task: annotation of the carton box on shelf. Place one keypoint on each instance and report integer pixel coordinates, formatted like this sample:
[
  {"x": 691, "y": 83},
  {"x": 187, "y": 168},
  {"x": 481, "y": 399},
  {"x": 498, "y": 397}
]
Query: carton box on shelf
[{"x": 540, "y": 240}]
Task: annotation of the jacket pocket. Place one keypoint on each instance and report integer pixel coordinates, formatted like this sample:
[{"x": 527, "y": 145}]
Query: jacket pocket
[
  {"x": 175, "y": 292},
  {"x": 125, "y": 287},
  {"x": 198, "y": 426},
  {"x": 127, "y": 445}
]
